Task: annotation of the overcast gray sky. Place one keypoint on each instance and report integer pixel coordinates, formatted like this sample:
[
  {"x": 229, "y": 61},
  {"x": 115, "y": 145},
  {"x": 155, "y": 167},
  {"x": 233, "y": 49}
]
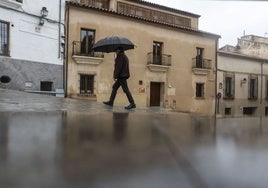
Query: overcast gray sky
[{"x": 229, "y": 19}]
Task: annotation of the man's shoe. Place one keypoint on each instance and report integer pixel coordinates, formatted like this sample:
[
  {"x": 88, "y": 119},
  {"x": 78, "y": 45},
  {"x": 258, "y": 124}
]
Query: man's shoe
[
  {"x": 108, "y": 103},
  {"x": 130, "y": 106}
]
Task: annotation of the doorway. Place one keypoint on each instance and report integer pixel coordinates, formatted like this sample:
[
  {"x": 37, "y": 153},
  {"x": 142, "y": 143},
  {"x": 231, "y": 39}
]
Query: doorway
[
  {"x": 155, "y": 93},
  {"x": 157, "y": 53}
]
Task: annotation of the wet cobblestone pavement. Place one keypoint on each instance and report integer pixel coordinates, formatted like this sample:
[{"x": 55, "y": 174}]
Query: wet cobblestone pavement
[{"x": 54, "y": 142}]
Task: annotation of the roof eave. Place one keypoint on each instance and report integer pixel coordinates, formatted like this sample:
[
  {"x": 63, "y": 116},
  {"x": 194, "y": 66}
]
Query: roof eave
[{"x": 144, "y": 19}]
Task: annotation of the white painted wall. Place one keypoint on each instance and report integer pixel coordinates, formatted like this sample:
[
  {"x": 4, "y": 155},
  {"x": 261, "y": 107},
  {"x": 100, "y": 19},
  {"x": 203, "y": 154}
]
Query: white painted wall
[{"x": 28, "y": 40}]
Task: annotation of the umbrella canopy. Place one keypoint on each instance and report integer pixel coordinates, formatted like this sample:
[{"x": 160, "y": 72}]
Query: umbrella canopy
[{"x": 110, "y": 44}]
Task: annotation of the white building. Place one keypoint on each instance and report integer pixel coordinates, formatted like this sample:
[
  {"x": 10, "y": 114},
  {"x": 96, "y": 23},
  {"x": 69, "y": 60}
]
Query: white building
[
  {"x": 242, "y": 78},
  {"x": 30, "y": 44}
]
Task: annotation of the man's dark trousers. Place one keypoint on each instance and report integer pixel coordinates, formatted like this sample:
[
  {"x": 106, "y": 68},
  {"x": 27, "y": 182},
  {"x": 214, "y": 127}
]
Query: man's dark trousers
[{"x": 123, "y": 83}]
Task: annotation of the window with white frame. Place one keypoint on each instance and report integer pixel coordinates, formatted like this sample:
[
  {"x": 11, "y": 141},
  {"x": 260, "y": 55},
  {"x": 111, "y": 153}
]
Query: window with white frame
[
  {"x": 4, "y": 38},
  {"x": 12, "y": 3}
]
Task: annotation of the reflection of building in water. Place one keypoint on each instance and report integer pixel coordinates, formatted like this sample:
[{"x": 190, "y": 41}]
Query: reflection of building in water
[
  {"x": 243, "y": 78},
  {"x": 29, "y": 139},
  {"x": 101, "y": 141},
  {"x": 3, "y": 136}
]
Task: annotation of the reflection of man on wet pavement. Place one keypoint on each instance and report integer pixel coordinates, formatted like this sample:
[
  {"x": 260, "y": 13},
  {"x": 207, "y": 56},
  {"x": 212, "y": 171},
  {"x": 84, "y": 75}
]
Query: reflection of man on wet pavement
[
  {"x": 120, "y": 125},
  {"x": 121, "y": 74}
]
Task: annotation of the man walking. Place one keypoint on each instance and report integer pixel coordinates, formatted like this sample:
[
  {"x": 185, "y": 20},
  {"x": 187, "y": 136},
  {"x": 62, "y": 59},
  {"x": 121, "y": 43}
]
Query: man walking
[{"x": 121, "y": 74}]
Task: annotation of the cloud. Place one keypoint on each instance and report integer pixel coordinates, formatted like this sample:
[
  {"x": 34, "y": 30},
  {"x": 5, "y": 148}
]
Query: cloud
[{"x": 227, "y": 18}]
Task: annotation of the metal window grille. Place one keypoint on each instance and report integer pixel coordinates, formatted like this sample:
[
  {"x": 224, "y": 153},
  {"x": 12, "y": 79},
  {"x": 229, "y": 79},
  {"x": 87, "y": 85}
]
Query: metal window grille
[
  {"x": 253, "y": 87},
  {"x": 4, "y": 37},
  {"x": 200, "y": 90},
  {"x": 86, "y": 84}
]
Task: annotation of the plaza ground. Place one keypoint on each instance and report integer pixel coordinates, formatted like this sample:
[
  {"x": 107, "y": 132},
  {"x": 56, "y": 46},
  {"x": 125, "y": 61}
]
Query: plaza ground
[{"x": 56, "y": 142}]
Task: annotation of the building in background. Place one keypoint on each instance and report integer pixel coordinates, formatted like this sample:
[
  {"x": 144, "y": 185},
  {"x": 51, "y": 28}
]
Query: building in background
[
  {"x": 31, "y": 33},
  {"x": 243, "y": 78},
  {"x": 172, "y": 66}
]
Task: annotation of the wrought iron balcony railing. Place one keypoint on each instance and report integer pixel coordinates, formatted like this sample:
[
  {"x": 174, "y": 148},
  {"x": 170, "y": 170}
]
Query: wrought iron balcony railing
[
  {"x": 82, "y": 50},
  {"x": 201, "y": 63},
  {"x": 162, "y": 59}
]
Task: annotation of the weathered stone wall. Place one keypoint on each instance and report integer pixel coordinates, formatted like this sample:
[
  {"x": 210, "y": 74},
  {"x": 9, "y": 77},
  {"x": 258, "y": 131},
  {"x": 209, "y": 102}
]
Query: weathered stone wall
[{"x": 28, "y": 74}]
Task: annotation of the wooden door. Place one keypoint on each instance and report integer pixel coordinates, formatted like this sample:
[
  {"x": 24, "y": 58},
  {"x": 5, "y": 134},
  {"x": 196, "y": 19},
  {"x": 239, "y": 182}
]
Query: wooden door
[{"x": 155, "y": 89}]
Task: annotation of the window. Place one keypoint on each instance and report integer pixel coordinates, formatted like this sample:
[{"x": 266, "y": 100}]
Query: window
[
  {"x": 249, "y": 110},
  {"x": 266, "y": 89},
  {"x": 14, "y": 4},
  {"x": 253, "y": 87},
  {"x": 199, "y": 57},
  {"x": 46, "y": 86},
  {"x": 4, "y": 38},
  {"x": 266, "y": 111},
  {"x": 157, "y": 53},
  {"x": 228, "y": 111},
  {"x": 86, "y": 84},
  {"x": 229, "y": 86},
  {"x": 199, "y": 90},
  {"x": 87, "y": 41}
]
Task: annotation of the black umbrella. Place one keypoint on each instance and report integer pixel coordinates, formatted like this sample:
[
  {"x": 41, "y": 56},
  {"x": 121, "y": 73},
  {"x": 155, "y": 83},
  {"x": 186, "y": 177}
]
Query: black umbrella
[{"x": 110, "y": 44}]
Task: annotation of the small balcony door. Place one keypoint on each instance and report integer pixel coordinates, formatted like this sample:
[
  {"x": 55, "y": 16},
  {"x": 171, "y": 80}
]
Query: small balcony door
[
  {"x": 157, "y": 53},
  {"x": 199, "y": 57},
  {"x": 87, "y": 41}
]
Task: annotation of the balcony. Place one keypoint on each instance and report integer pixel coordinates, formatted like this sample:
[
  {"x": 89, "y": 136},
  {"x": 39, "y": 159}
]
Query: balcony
[
  {"x": 11, "y": 3},
  {"x": 201, "y": 66},
  {"x": 158, "y": 63},
  {"x": 83, "y": 56}
]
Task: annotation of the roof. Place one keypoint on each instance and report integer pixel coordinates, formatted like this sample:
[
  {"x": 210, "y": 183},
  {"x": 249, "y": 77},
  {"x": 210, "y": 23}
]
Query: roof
[
  {"x": 241, "y": 56},
  {"x": 75, "y": 4},
  {"x": 164, "y": 8}
]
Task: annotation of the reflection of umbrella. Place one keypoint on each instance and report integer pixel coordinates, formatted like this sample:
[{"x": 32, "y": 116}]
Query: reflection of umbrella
[{"x": 110, "y": 44}]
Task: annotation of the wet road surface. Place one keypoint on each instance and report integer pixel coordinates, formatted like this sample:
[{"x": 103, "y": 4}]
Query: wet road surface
[{"x": 55, "y": 146}]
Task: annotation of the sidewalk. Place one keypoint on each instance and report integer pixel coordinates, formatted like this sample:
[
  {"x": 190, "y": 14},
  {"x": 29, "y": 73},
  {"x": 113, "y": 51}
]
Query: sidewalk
[{"x": 12, "y": 100}]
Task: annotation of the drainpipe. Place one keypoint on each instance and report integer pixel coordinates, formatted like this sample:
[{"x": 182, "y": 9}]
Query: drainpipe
[
  {"x": 261, "y": 105},
  {"x": 66, "y": 52},
  {"x": 216, "y": 82},
  {"x": 59, "y": 47},
  {"x": 261, "y": 81}
]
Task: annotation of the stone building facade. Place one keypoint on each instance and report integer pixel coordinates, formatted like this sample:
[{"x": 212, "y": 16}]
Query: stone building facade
[
  {"x": 243, "y": 78},
  {"x": 30, "y": 44},
  {"x": 172, "y": 65}
]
